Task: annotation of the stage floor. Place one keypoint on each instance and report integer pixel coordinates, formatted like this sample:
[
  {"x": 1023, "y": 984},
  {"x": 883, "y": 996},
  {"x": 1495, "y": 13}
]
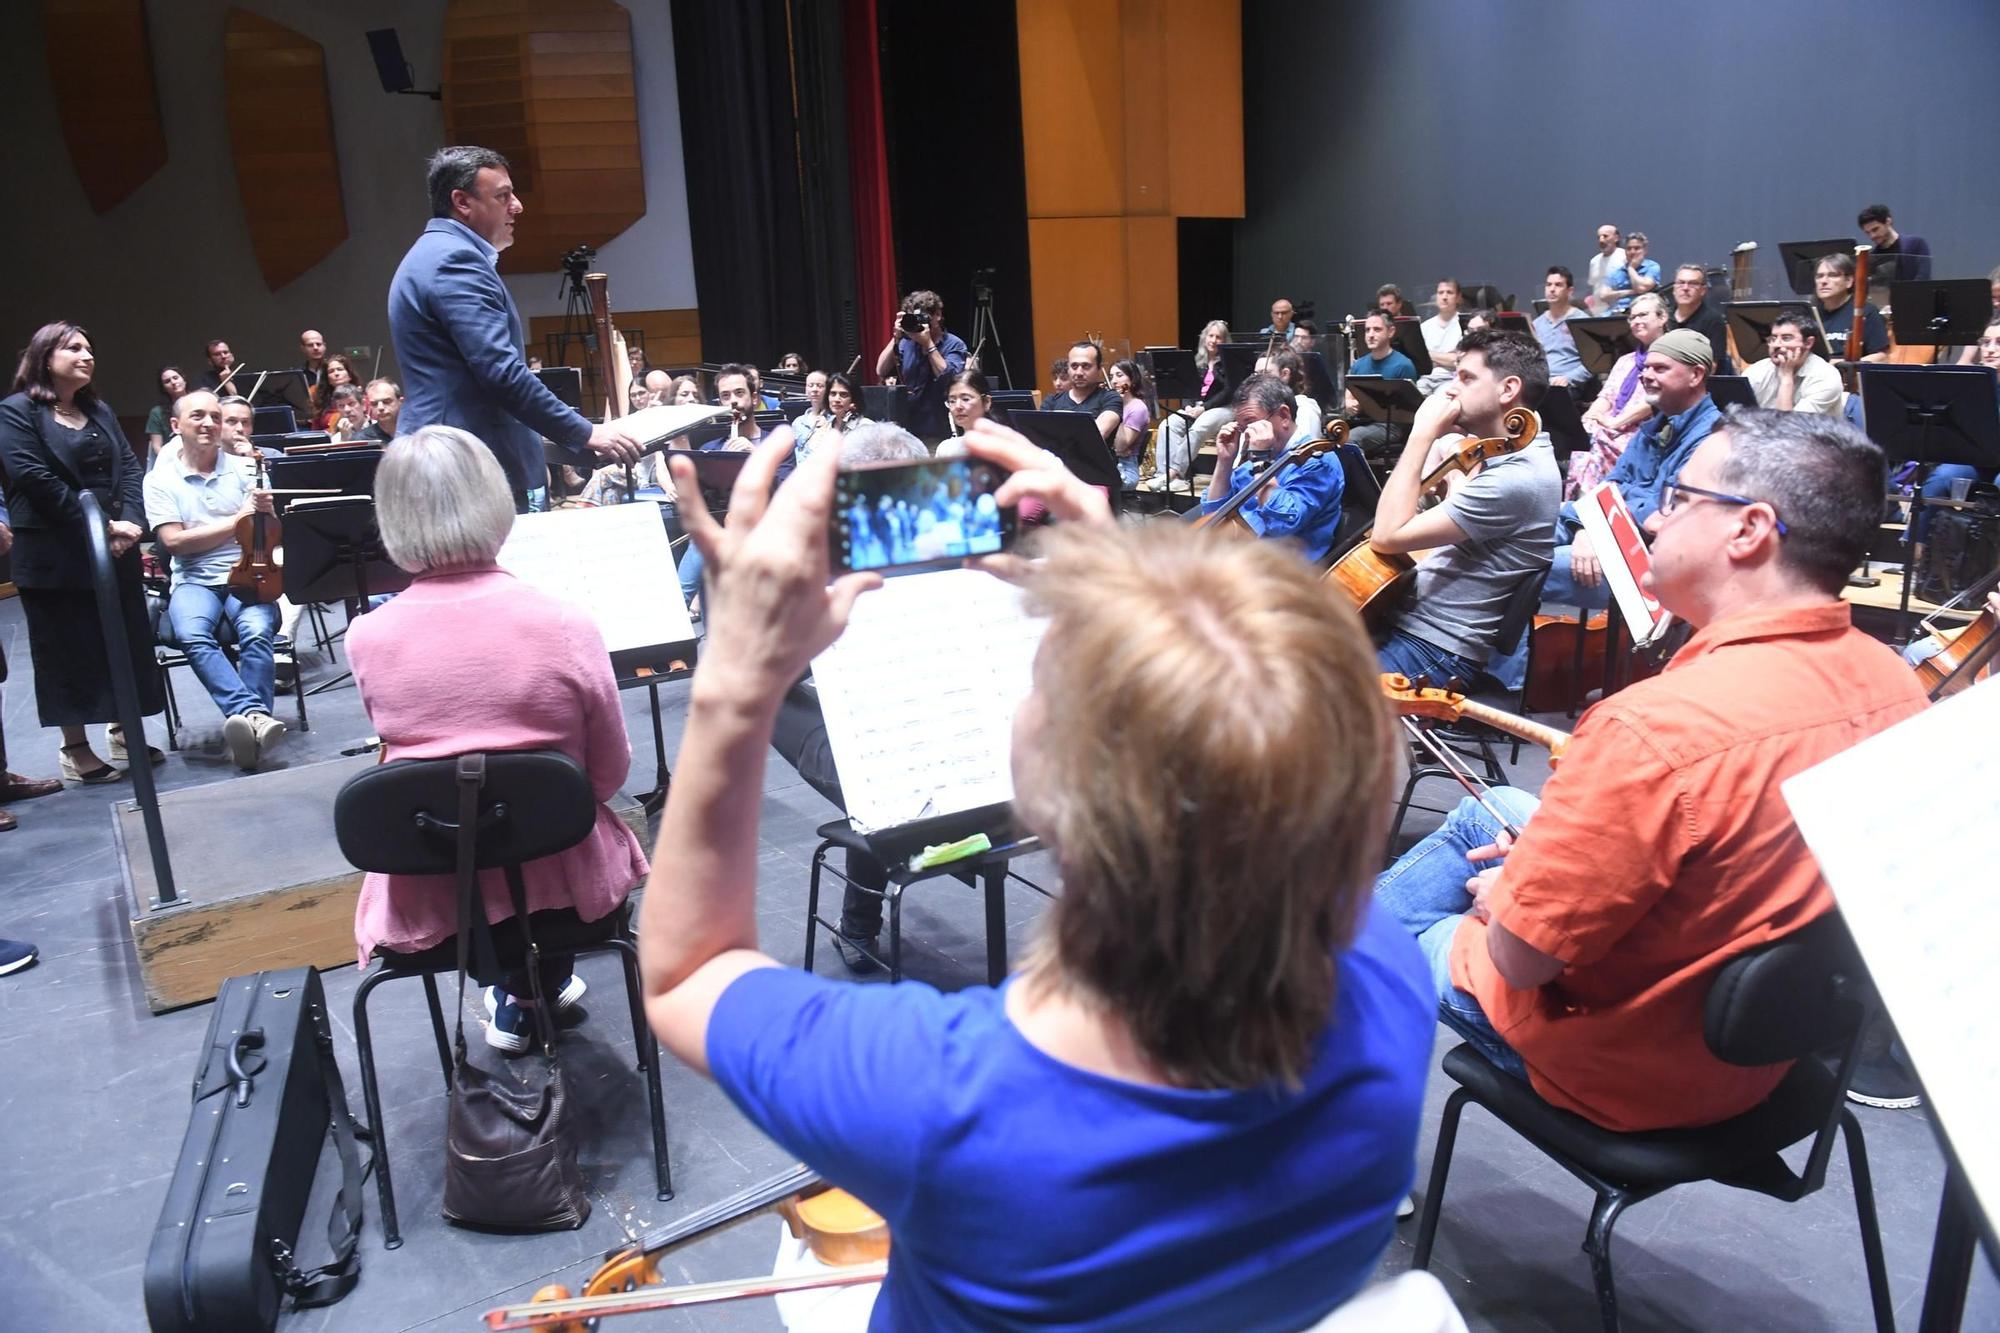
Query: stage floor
[{"x": 95, "y": 1097}]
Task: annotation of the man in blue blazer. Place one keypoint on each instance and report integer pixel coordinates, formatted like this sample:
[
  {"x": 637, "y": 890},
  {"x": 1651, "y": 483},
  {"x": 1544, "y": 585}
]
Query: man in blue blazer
[{"x": 459, "y": 338}]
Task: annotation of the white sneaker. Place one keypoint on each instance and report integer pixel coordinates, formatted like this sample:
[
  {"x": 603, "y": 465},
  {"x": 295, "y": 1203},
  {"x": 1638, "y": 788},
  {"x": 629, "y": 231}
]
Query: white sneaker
[
  {"x": 269, "y": 731},
  {"x": 239, "y": 733}
]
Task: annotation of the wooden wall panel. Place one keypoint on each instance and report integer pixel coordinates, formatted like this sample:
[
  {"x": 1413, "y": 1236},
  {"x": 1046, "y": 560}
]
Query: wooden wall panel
[
  {"x": 281, "y": 139},
  {"x": 673, "y": 337},
  {"x": 549, "y": 83},
  {"x": 1131, "y": 118},
  {"x": 101, "y": 70}
]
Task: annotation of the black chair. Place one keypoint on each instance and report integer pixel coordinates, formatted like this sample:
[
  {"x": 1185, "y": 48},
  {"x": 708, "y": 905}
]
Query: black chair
[
  {"x": 1472, "y": 740},
  {"x": 1358, "y": 494},
  {"x": 168, "y": 654},
  {"x": 400, "y": 819},
  {"x": 1801, "y": 998},
  {"x": 894, "y": 848}
]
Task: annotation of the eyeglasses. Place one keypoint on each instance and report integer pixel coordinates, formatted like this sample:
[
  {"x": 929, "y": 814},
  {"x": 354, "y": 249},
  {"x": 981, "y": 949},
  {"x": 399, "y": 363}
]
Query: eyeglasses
[{"x": 1680, "y": 492}]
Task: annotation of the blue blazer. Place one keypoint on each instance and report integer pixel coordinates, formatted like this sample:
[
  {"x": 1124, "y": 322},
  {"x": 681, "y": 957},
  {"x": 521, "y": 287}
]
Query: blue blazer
[{"x": 459, "y": 345}]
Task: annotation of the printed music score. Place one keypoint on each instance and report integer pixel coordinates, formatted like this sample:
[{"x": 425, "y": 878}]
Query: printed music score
[
  {"x": 1903, "y": 826},
  {"x": 919, "y": 695},
  {"x": 614, "y": 562}
]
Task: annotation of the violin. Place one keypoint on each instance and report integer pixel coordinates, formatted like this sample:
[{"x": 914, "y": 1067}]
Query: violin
[
  {"x": 259, "y": 573},
  {"x": 841, "y": 1231},
  {"x": 1374, "y": 580},
  {"x": 1297, "y": 452}
]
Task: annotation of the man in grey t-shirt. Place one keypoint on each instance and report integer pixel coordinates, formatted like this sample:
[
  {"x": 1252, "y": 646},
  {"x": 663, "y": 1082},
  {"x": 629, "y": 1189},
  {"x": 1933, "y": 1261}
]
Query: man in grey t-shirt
[{"x": 1496, "y": 527}]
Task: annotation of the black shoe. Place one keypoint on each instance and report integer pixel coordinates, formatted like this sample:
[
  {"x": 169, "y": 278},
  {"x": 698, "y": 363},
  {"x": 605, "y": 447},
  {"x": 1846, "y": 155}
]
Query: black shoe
[
  {"x": 1883, "y": 1077},
  {"x": 849, "y": 946}
]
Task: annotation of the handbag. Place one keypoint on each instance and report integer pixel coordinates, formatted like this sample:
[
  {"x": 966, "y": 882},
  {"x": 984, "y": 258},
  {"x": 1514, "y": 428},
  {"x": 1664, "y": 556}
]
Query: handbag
[{"x": 510, "y": 1136}]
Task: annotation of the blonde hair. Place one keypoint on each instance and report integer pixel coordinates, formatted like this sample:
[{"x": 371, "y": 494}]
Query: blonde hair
[
  {"x": 441, "y": 500},
  {"x": 1214, "y": 858}
]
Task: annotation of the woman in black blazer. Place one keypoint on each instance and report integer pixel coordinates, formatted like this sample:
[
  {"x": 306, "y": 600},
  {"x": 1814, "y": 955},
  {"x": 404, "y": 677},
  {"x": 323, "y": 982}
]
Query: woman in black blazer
[{"x": 57, "y": 439}]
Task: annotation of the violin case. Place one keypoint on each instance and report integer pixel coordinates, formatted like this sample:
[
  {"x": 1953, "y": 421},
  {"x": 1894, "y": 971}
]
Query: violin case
[{"x": 266, "y": 1091}]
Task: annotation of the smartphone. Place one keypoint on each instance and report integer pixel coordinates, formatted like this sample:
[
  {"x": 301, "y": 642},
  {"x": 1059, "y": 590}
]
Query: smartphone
[{"x": 929, "y": 514}]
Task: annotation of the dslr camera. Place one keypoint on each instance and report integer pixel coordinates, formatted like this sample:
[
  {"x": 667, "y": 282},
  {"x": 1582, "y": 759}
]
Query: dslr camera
[{"x": 912, "y": 322}]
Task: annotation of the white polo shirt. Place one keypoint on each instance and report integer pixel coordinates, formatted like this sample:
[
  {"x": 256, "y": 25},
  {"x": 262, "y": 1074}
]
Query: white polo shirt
[{"x": 176, "y": 493}]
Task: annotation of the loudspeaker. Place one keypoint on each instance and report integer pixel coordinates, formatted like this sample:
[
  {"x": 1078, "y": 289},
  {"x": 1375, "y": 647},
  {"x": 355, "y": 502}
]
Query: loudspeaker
[{"x": 390, "y": 67}]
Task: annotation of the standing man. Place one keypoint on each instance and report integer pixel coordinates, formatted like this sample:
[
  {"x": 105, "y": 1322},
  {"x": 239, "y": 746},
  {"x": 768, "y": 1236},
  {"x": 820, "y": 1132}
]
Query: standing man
[
  {"x": 1909, "y": 257},
  {"x": 193, "y": 501},
  {"x": 1087, "y": 392},
  {"x": 1281, "y": 320},
  {"x": 1833, "y": 292},
  {"x": 1638, "y": 274},
  {"x": 459, "y": 338},
  {"x": 1792, "y": 378},
  {"x": 923, "y": 358},
  {"x": 385, "y": 407},
  {"x": 1566, "y": 368},
  {"x": 1610, "y": 257},
  {"x": 312, "y": 360},
  {"x": 1442, "y": 331},
  {"x": 1692, "y": 311}
]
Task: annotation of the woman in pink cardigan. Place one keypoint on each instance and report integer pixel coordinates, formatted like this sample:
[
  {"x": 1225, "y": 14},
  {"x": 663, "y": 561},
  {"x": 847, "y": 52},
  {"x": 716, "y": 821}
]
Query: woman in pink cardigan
[{"x": 470, "y": 658}]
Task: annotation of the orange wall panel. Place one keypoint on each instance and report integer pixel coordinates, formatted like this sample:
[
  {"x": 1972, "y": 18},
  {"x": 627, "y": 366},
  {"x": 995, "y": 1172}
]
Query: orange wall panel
[
  {"x": 1072, "y": 107},
  {"x": 1205, "y": 131},
  {"x": 101, "y": 72}
]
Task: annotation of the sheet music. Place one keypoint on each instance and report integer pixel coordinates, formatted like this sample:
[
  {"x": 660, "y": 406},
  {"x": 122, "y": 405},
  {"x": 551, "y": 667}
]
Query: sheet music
[
  {"x": 1904, "y": 827},
  {"x": 919, "y": 695},
  {"x": 614, "y": 562},
  {"x": 650, "y": 425}
]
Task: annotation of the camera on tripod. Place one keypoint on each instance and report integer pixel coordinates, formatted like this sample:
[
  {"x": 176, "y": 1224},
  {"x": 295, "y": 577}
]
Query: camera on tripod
[{"x": 577, "y": 262}]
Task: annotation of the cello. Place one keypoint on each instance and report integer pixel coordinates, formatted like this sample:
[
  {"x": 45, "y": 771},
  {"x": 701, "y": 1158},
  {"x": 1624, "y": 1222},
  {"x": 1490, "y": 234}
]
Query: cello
[
  {"x": 842, "y": 1232},
  {"x": 1948, "y": 660},
  {"x": 1298, "y": 451},
  {"x": 1374, "y": 580}
]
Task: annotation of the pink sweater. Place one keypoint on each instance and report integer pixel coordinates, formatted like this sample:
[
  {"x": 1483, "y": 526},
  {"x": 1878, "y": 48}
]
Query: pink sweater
[{"x": 474, "y": 659}]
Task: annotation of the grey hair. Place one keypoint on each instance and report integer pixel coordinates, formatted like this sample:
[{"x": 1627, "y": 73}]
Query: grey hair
[
  {"x": 1657, "y": 299},
  {"x": 1201, "y": 343},
  {"x": 441, "y": 500},
  {"x": 880, "y": 442},
  {"x": 1823, "y": 477},
  {"x": 456, "y": 168},
  {"x": 180, "y": 403}
]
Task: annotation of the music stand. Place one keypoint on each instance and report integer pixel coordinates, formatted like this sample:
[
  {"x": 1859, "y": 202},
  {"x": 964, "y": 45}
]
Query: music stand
[
  {"x": 565, "y": 382},
  {"x": 715, "y": 474},
  {"x": 1072, "y": 437},
  {"x": 1173, "y": 372},
  {"x": 886, "y": 402},
  {"x": 281, "y": 387},
  {"x": 1514, "y": 320},
  {"x": 350, "y": 470},
  {"x": 333, "y": 553},
  {"x": 1409, "y": 340},
  {"x": 274, "y": 419},
  {"x": 1006, "y": 401},
  {"x": 1600, "y": 340},
  {"x": 1320, "y": 380},
  {"x": 1800, "y": 260},
  {"x": 1750, "y": 323},
  {"x": 1953, "y": 313},
  {"x": 1929, "y": 415},
  {"x": 1239, "y": 361},
  {"x": 1731, "y": 391},
  {"x": 1379, "y": 398}
]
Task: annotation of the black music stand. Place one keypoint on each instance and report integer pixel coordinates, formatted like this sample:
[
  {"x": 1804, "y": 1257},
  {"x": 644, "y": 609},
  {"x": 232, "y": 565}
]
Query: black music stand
[
  {"x": 1800, "y": 260},
  {"x": 286, "y": 388},
  {"x": 1731, "y": 391},
  {"x": 1173, "y": 372},
  {"x": 1012, "y": 400},
  {"x": 1239, "y": 360},
  {"x": 350, "y": 471},
  {"x": 1321, "y": 382},
  {"x": 1600, "y": 340},
  {"x": 1514, "y": 321},
  {"x": 1072, "y": 437},
  {"x": 715, "y": 473},
  {"x": 565, "y": 382},
  {"x": 1750, "y": 323},
  {"x": 333, "y": 552},
  {"x": 273, "y": 419},
  {"x": 1929, "y": 415},
  {"x": 1380, "y": 398},
  {"x": 1952, "y": 313},
  {"x": 1409, "y": 340},
  {"x": 886, "y": 402}
]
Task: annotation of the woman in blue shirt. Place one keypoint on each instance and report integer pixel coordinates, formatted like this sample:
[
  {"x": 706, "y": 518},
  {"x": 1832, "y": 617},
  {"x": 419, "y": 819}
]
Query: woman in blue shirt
[{"x": 1196, "y": 1104}]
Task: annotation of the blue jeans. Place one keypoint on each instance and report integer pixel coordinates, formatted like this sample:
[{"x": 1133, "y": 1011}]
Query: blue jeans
[
  {"x": 532, "y": 502},
  {"x": 193, "y": 612},
  {"x": 691, "y": 565},
  {"x": 1416, "y": 657},
  {"x": 1563, "y": 590},
  {"x": 1425, "y": 890},
  {"x": 1128, "y": 471}
]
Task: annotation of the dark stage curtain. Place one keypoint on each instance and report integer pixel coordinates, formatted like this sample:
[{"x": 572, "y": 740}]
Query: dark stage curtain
[{"x": 770, "y": 217}]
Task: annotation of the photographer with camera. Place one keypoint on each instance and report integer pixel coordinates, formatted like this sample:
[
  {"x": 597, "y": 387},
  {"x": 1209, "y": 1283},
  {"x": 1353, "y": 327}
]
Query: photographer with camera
[
  {"x": 922, "y": 356},
  {"x": 460, "y": 340}
]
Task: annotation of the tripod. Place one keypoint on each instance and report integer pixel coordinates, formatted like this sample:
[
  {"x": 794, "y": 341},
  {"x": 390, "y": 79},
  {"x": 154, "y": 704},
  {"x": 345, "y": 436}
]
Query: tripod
[
  {"x": 576, "y": 312},
  {"x": 984, "y": 327}
]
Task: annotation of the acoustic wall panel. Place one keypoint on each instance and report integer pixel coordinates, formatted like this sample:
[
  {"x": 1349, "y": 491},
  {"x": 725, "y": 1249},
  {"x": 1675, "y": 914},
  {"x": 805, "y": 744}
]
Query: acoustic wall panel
[
  {"x": 101, "y": 71},
  {"x": 281, "y": 138}
]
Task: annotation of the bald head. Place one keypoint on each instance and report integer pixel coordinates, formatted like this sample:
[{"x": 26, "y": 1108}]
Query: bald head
[{"x": 198, "y": 419}]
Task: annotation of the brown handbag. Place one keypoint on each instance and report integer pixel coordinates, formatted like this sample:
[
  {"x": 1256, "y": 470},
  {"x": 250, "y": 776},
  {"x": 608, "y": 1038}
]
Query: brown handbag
[{"x": 510, "y": 1137}]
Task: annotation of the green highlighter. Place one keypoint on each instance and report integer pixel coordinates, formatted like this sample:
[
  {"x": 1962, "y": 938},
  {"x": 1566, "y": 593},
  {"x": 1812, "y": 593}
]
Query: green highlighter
[{"x": 944, "y": 853}]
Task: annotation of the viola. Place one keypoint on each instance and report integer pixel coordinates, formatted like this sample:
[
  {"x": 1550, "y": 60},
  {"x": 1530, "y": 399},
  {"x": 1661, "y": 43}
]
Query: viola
[
  {"x": 259, "y": 573},
  {"x": 1374, "y": 580},
  {"x": 841, "y": 1231}
]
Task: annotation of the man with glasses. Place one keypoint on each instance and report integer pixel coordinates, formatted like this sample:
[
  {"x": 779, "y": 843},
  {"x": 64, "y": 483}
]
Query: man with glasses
[
  {"x": 1792, "y": 378},
  {"x": 1692, "y": 311},
  {"x": 1674, "y": 382},
  {"x": 1578, "y": 953}
]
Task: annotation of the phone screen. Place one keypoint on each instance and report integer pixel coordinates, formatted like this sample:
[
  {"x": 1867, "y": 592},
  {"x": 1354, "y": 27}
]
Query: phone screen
[{"x": 926, "y": 514}]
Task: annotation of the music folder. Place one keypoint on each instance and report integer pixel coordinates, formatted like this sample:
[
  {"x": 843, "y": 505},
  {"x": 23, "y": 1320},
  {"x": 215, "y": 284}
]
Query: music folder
[{"x": 1621, "y": 546}]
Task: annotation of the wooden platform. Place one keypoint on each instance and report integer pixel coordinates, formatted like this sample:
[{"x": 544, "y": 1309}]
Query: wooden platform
[{"x": 261, "y": 880}]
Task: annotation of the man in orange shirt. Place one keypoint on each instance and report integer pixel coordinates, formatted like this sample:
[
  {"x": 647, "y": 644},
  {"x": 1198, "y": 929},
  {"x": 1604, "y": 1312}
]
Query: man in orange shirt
[{"x": 1662, "y": 847}]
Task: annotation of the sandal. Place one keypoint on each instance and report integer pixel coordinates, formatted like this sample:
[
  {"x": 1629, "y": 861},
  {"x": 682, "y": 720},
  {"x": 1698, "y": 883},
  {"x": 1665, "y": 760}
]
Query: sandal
[
  {"x": 7, "y": 822},
  {"x": 90, "y": 777}
]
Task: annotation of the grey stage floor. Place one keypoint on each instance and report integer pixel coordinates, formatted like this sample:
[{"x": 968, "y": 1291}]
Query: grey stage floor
[{"x": 95, "y": 1096}]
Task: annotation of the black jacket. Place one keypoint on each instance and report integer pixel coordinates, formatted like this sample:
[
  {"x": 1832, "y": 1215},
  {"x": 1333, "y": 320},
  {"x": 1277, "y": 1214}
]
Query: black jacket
[{"x": 42, "y": 480}]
